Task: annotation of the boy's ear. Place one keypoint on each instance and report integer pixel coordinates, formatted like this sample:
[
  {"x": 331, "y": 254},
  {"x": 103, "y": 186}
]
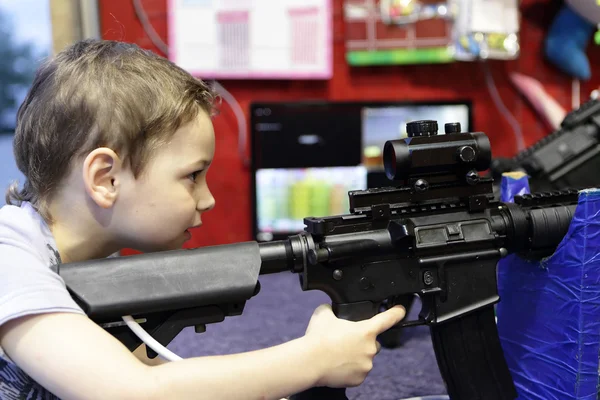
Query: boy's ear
[{"x": 101, "y": 170}]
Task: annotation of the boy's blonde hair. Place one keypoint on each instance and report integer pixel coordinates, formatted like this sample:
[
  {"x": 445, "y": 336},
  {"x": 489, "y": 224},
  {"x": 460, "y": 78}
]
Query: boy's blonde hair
[{"x": 99, "y": 94}]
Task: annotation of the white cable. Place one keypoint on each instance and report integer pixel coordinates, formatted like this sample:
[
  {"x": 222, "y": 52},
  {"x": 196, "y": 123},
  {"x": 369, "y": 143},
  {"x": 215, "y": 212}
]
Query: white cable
[
  {"x": 575, "y": 94},
  {"x": 239, "y": 116},
  {"x": 489, "y": 79},
  {"x": 149, "y": 340},
  {"x": 228, "y": 97},
  {"x": 141, "y": 14}
]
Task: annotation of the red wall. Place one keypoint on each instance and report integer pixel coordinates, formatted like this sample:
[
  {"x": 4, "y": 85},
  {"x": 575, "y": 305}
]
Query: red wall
[{"x": 230, "y": 221}]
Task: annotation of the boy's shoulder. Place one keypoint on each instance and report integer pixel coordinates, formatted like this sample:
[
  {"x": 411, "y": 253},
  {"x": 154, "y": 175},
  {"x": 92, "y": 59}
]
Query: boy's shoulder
[{"x": 23, "y": 227}]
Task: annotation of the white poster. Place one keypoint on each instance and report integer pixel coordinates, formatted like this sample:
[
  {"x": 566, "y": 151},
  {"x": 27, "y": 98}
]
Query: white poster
[{"x": 260, "y": 39}]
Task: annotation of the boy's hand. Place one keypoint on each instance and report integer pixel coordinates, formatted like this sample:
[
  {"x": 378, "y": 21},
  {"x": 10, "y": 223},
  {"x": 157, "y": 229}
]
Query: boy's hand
[{"x": 345, "y": 349}]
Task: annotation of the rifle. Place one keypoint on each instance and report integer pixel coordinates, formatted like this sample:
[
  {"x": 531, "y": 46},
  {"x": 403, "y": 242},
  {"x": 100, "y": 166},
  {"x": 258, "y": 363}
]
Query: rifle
[
  {"x": 561, "y": 160},
  {"x": 438, "y": 234},
  {"x": 564, "y": 158}
]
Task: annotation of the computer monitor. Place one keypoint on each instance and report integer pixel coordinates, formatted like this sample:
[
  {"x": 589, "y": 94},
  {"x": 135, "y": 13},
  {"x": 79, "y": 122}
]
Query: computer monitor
[
  {"x": 285, "y": 196},
  {"x": 306, "y": 156}
]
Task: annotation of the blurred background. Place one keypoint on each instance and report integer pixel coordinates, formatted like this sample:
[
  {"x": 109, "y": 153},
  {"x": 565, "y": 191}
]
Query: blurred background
[{"x": 312, "y": 89}]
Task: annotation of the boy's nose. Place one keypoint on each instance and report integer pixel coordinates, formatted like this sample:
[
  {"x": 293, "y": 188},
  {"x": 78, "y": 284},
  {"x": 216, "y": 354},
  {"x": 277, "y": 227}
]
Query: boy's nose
[{"x": 206, "y": 204}]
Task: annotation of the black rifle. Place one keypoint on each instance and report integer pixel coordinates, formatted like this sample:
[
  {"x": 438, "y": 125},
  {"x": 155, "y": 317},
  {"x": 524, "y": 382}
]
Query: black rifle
[
  {"x": 563, "y": 159},
  {"x": 438, "y": 235}
]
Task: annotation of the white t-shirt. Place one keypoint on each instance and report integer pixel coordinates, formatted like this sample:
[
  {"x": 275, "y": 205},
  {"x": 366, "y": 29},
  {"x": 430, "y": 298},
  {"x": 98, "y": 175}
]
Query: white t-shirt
[{"x": 29, "y": 285}]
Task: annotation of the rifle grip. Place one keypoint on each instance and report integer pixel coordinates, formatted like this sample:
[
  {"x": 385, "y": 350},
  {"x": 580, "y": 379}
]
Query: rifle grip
[
  {"x": 355, "y": 311},
  {"x": 351, "y": 312}
]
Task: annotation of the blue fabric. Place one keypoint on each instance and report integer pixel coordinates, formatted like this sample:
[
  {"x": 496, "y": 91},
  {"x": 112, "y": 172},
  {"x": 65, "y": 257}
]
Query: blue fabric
[
  {"x": 549, "y": 313},
  {"x": 513, "y": 184}
]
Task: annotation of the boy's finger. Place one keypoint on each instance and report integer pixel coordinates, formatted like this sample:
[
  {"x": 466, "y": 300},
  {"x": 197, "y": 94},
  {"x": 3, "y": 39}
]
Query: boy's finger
[
  {"x": 385, "y": 320},
  {"x": 323, "y": 309}
]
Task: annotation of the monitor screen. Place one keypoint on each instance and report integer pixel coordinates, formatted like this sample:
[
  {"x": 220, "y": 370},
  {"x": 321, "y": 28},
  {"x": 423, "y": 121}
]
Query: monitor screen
[
  {"x": 293, "y": 179},
  {"x": 285, "y": 196}
]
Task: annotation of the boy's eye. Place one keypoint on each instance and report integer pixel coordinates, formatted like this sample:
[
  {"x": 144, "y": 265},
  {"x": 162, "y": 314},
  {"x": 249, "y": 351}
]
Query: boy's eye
[{"x": 194, "y": 175}]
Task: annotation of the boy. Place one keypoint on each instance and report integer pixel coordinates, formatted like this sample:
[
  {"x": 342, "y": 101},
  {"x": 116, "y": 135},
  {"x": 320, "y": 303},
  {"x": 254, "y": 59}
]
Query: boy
[{"x": 115, "y": 143}]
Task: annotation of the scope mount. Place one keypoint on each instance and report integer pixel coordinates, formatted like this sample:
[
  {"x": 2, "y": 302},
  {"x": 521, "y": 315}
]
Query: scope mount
[{"x": 433, "y": 170}]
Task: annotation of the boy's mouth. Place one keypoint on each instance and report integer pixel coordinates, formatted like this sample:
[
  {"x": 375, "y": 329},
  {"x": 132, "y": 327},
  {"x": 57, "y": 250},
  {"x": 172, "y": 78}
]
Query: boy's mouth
[{"x": 187, "y": 232}]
